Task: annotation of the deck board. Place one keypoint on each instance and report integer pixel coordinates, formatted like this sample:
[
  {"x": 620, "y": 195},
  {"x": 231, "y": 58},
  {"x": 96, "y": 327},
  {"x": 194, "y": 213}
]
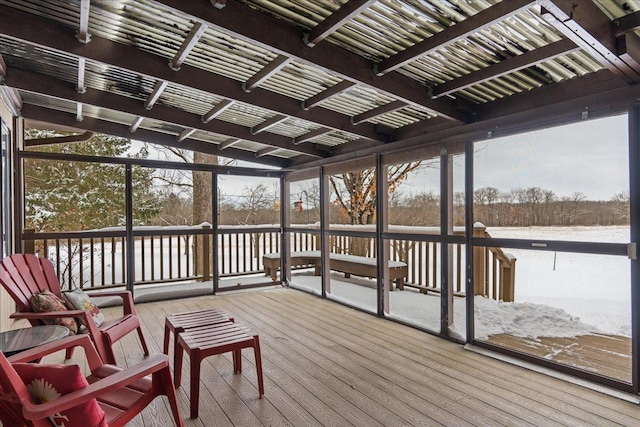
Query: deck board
[{"x": 328, "y": 365}]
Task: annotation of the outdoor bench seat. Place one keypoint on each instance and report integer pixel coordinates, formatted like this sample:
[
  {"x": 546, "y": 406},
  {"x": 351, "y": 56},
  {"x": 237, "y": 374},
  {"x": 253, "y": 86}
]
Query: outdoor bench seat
[{"x": 347, "y": 264}]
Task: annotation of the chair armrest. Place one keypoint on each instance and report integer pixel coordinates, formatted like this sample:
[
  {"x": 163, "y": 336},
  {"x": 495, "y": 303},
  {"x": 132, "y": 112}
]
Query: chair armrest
[
  {"x": 37, "y": 353},
  {"x": 127, "y": 299},
  {"x": 86, "y": 316},
  {"x": 30, "y": 315},
  {"x": 94, "y": 390}
]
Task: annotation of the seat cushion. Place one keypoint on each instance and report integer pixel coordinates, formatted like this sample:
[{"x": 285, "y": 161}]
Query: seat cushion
[
  {"x": 45, "y": 302},
  {"x": 77, "y": 299},
  {"x": 48, "y": 382}
]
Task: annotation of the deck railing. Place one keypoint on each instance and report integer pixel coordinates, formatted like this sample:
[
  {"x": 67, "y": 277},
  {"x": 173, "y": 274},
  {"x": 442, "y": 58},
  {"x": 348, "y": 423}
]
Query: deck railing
[{"x": 97, "y": 259}]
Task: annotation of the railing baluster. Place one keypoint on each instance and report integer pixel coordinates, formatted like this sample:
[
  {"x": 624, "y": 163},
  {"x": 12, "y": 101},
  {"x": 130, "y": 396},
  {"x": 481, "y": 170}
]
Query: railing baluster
[
  {"x": 81, "y": 272},
  {"x": 434, "y": 272},
  {"x": 170, "y": 256},
  {"x": 179, "y": 257},
  {"x": 494, "y": 278},
  {"x": 92, "y": 258},
  {"x": 113, "y": 260},
  {"x": 153, "y": 260},
  {"x": 102, "y": 261},
  {"x": 143, "y": 259},
  {"x": 123, "y": 271},
  {"x": 69, "y": 265},
  {"x": 162, "y": 257}
]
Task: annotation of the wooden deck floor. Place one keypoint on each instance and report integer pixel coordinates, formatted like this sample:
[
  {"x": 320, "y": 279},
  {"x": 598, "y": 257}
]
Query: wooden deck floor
[{"x": 328, "y": 365}]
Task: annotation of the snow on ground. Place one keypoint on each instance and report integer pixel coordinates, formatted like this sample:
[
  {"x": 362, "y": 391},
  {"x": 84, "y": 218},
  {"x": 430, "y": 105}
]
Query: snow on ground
[{"x": 557, "y": 294}]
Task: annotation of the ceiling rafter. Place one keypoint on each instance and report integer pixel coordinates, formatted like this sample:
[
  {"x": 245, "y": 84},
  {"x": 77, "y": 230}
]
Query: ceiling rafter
[
  {"x": 47, "y": 115},
  {"x": 265, "y": 125},
  {"x": 21, "y": 25},
  {"x": 628, "y": 46},
  {"x": 248, "y": 24},
  {"x": 311, "y": 135},
  {"x": 79, "y": 116},
  {"x": 159, "y": 87},
  {"x": 553, "y": 104},
  {"x": 80, "y": 86},
  {"x": 3, "y": 68},
  {"x": 587, "y": 26},
  {"x": 83, "y": 35},
  {"x": 228, "y": 143},
  {"x": 278, "y": 63},
  {"x": 328, "y": 93},
  {"x": 136, "y": 124},
  {"x": 507, "y": 66},
  {"x": 462, "y": 29},
  {"x": 189, "y": 43},
  {"x": 627, "y": 23},
  {"x": 219, "y": 108},
  {"x": 267, "y": 150},
  {"x": 186, "y": 134},
  {"x": 378, "y": 111},
  {"x": 37, "y": 83},
  {"x": 12, "y": 99},
  {"x": 337, "y": 19}
]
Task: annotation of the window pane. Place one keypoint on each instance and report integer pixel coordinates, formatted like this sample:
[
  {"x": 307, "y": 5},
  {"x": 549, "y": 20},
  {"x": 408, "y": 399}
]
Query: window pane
[
  {"x": 570, "y": 308},
  {"x": 304, "y": 202},
  {"x": 563, "y": 177}
]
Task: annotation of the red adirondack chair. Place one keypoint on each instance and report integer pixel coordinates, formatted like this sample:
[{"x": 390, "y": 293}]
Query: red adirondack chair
[
  {"x": 120, "y": 393},
  {"x": 23, "y": 275}
]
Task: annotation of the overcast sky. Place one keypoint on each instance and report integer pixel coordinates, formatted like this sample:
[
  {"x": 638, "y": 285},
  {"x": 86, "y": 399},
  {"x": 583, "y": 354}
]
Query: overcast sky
[{"x": 590, "y": 157}]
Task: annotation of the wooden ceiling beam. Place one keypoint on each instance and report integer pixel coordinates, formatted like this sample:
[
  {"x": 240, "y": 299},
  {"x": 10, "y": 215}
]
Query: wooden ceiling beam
[
  {"x": 83, "y": 35},
  {"x": 228, "y": 143},
  {"x": 326, "y": 94},
  {"x": 46, "y": 33},
  {"x": 219, "y": 108},
  {"x": 248, "y": 24},
  {"x": 507, "y": 66},
  {"x": 136, "y": 124},
  {"x": 311, "y": 135},
  {"x": 336, "y": 20},
  {"x": 601, "y": 94},
  {"x": 3, "y": 68},
  {"x": 186, "y": 134},
  {"x": 278, "y": 63},
  {"x": 189, "y": 43},
  {"x": 81, "y": 87},
  {"x": 38, "y": 83},
  {"x": 591, "y": 29},
  {"x": 628, "y": 46},
  {"x": 378, "y": 111},
  {"x": 265, "y": 125},
  {"x": 450, "y": 35},
  {"x": 47, "y": 115},
  {"x": 267, "y": 150},
  {"x": 627, "y": 23},
  {"x": 160, "y": 86}
]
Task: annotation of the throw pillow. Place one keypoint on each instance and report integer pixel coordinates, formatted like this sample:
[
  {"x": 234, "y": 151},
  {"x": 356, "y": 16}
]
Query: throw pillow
[
  {"x": 48, "y": 382},
  {"x": 45, "y": 302},
  {"x": 77, "y": 299}
]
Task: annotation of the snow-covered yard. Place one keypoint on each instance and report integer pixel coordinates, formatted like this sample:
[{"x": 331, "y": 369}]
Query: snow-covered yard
[{"x": 557, "y": 294}]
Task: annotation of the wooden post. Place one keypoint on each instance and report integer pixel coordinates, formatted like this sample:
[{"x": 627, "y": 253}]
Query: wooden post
[
  {"x": 508, "y": 280},
  {"x": 29, "y": 246},
  {"x": 479, "y": 263},
  {"x": 202, "y": 254}
]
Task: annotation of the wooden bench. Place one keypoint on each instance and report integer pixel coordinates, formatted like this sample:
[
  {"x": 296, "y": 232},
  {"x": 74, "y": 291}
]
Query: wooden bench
[{"x": 347, "y": 264}]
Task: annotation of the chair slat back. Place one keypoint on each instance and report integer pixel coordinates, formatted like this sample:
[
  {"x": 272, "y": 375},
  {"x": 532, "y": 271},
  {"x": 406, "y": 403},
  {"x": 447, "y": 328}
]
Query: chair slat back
[
  {"x": 12, "y": 391},
  {"x": 23, "y": 275}
]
